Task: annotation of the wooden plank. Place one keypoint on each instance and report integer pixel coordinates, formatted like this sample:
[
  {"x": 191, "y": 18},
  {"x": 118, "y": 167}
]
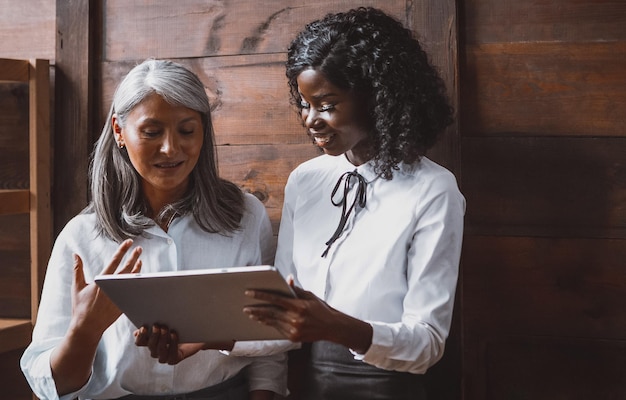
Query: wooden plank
[
  {"x": 73, "y": 81},
  {"x": 27, "y": 29},
  {"x": 14, "y": 334},
  {"x": 567, "y": 287},
  {"x": 14, "y": 266},
  {"x": 549, "y": 368},
  {"x": 545, "y": 186},
  {"x": 40, "y": 174},
  {"x": 545, "y": 89},
  {"x": 544, "y": 21},
  {"x": 263, "y": 170},
  {"x": 13, "y": 70},
  {"x": 14, "y": 201},
  {"x": 13, "y": 133},
  {"x": 12, "y": 381},
  {"x": 436, "y": 26},
  {"x": 247, "y": 109},
  {"x": 198, "y": 28}
]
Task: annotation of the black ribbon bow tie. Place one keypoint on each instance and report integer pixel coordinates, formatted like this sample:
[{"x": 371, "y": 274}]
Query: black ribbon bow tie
[{"x": 359, "y": 199}]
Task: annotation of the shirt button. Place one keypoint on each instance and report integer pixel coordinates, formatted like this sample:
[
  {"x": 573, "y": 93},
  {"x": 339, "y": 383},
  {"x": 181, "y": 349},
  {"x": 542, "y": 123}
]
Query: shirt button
[{"x": 170, "y": 241}]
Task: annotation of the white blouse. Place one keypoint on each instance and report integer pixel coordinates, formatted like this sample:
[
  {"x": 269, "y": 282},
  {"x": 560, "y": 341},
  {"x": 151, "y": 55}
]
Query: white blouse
[
  {"x": 120, "y": 367},
  {"x": 395, "y": 265}
]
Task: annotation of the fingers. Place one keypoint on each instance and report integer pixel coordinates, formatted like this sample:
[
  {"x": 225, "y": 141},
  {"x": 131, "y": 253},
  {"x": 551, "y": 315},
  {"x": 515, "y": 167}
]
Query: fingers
[
  {"x": 267, "y": 315},
  {"x": 141, "y": 336},
  {"x": 281, "y": 320},
  {"x": 162, "y": 343},
  {"x": 153, "y": 341},
  {"x": 132, "y": 263},
  {"x": 137, "y": 265},
  {"x": 118, "y": 256},
  {"x": 303, "y": 294},
  {"x": 172, "y": 349},
  {"x": 273, "y": 298}
]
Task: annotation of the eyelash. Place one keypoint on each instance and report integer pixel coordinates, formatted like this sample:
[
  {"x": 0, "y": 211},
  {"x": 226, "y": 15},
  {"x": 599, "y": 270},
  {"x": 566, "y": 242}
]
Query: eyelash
[{"x": 324, "y": 108}]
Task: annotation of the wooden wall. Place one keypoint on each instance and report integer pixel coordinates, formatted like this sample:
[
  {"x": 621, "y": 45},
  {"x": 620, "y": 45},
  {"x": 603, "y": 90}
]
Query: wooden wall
[
  {"x": 543, "y": 104},
  {"x": 540, "y": 158},
  {"x": 27, "y": 30},
  {"x": 238, "y": 50},
  {"x": 259, "y": 136}
]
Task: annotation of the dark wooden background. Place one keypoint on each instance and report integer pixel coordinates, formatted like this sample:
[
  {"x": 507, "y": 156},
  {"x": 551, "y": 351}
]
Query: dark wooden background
[
  {"x": 539, "y": 151},
  {"x": 543, "y": 110}
]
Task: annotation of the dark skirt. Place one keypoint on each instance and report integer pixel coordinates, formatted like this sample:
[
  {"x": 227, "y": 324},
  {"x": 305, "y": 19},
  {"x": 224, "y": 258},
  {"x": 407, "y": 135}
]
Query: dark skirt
[
  {"x": 235, "y": 388},
  {"x": 333, "y": 373}
]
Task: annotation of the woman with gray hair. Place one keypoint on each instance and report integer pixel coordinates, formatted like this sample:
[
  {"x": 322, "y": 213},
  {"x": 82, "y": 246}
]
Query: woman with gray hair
[{"x": 158, "y": 204}]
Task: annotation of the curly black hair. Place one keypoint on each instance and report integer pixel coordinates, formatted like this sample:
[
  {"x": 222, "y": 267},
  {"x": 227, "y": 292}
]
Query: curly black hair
[{"x": 371, "y": 53}]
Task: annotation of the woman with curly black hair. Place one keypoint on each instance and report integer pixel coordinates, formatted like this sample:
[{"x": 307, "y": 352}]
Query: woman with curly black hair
[{"x": 372, "y": 229}]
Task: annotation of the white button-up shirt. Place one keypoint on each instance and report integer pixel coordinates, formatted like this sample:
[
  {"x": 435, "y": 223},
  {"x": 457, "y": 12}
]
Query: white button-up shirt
[
  {"x": 396, "y": 263},
  {"x": 120, "y": 367}
]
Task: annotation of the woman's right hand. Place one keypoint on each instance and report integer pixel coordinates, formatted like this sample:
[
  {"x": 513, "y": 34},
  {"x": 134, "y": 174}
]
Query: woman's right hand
[{"x": 91, "y": 307}]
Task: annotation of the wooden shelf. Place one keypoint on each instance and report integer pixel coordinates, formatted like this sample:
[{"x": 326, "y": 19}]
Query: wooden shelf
[
  {"x": 35, "y": 201},
  {"x": 14, "y": 334},
  {"x": 14, "y": 70}
]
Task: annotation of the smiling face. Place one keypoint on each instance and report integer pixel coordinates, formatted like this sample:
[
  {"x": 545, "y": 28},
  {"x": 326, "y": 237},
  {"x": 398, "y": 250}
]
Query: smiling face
[
  {"x": 335, "y": 118},
  {"x": 163, "y": 142}
]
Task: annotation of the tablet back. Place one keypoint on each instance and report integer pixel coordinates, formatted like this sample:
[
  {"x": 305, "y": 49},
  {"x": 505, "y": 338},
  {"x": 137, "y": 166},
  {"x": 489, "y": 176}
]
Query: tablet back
[{"x": 201, "y": 305}]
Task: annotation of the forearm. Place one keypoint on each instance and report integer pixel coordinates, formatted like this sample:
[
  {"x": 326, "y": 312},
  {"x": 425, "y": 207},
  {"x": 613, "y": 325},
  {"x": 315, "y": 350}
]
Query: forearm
[
  {"x": 351, "y": 332},
  {"x": 71, "y": 362}
]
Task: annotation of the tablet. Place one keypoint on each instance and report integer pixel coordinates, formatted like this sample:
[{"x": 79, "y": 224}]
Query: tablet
[{"x": 201, "y": 305}]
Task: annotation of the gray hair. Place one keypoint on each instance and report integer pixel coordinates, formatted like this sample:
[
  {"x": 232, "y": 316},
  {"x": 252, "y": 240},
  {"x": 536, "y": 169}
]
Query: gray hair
[{"x": 116, "y": 190}]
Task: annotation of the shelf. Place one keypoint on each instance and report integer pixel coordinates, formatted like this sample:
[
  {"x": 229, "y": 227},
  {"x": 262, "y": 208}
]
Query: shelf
[
  {"x": 14, "y": 201},
  {"x": 14, "y": 334},
  {"x": 14, "y": 70}
]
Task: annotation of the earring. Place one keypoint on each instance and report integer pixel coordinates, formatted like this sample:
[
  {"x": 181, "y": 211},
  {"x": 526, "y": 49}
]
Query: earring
[{"x": 120, "y": 144}]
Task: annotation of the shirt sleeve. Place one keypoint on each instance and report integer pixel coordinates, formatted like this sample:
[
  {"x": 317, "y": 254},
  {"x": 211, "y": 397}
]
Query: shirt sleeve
[
  {"x": 417, "y": 342},
  {"x": 284, "y": 251},
  {"x": 269, "y": 373},
  {"x": 261, "y": 348},
  {"x": 53, "y": 320}
]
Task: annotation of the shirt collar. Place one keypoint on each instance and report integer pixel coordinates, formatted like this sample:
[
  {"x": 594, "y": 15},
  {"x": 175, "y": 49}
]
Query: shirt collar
[{"x": 366, "y": 170}]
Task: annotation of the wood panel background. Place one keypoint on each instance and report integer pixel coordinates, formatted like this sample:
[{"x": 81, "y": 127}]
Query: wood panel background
[
  {"x": 238, "y": 49},
  {"x": 242, "y": 66},
  {"x": 543, "y": 96},
  {"x": 260, "y": 138},
  {"x": 540, "y": 158},
  {"x": 27, "y": 30}
]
